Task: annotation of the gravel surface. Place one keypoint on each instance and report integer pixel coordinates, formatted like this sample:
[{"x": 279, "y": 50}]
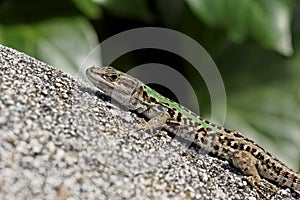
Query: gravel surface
[{"x": 59, "y": 140}]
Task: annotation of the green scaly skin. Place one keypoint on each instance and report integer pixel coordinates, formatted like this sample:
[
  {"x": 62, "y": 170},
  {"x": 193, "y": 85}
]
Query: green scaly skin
[{"x": 244, "y": 154}]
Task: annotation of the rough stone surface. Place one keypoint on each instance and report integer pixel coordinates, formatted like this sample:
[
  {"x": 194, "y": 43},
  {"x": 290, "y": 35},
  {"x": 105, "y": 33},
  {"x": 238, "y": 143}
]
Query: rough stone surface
[{"x": 58, "y": 140}]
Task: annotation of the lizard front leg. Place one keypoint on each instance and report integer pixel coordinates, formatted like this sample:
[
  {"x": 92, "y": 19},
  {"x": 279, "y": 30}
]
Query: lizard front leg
[{"x": 156, "y": 122}]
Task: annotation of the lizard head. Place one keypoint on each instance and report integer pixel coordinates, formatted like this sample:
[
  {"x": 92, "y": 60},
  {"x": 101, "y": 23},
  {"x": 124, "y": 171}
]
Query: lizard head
[{"x": 114, "y": 83}]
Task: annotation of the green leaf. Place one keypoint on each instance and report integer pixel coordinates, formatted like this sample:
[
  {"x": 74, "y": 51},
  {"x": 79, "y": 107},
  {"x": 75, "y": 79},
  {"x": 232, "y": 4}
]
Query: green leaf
[
  {"x": 61, "y": 42},
  {"x": 89, "y": 8},
  {"x": 265, "y": 21},
  {"x": 130, "y": 9}
]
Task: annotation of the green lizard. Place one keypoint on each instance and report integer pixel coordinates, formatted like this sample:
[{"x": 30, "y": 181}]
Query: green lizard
[{"x": 256, "y": 164}]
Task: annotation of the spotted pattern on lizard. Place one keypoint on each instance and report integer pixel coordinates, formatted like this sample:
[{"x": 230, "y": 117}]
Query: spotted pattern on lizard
[{"x": 256, "y": 164}]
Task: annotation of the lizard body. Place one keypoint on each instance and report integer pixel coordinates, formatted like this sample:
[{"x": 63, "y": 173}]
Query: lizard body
[{"x": 243, "y": 153}]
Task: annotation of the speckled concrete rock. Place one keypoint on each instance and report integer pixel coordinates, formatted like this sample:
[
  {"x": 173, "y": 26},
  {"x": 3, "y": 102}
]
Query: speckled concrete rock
[{"x": 58, "y": 140}]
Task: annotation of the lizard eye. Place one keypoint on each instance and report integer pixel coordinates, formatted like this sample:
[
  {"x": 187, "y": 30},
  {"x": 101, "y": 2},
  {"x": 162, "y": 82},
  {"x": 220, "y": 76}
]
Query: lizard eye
[{"x": 113, "y": 77}]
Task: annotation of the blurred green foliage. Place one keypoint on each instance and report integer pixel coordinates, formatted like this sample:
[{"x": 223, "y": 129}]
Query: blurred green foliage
[{"x": 255, "y": 44}]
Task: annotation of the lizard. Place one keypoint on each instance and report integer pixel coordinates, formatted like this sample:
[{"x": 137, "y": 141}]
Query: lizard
[{"x": 258, "y": 166}]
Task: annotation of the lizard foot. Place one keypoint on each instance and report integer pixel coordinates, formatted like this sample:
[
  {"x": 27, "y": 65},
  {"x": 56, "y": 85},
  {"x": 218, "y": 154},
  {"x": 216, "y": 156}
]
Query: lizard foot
[{"x": 261, "y": 185}]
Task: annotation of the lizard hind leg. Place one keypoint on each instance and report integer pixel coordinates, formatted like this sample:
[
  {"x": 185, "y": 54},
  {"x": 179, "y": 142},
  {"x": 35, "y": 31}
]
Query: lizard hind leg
[
  {"x": 256, "y": 183},
  {"x": 245, "y": 161}
]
